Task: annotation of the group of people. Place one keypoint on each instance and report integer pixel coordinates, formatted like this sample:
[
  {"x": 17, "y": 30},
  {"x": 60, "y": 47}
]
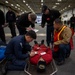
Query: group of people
[
  {"x": 58, "y": 35},
  {"x": 11, "y": 20}
]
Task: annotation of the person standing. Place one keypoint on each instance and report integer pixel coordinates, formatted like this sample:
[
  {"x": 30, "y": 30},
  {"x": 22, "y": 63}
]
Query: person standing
[
  {"x": 11, "y": 20},
  {"x": 72, "y": 22},
  {"x": 2, "y": 22},
  {"x": 24, "y": 21},
  {"x": 48, "y": 17}
]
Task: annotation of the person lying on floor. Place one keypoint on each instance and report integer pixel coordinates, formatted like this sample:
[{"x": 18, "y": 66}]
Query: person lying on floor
[
  {"x": 43, "y": 56},
  {"x": 17, "y": 51}
]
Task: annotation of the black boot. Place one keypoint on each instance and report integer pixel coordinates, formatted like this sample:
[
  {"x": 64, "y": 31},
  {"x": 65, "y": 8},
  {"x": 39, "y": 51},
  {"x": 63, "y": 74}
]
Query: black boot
[
  {"x": 35, "y": 42},
  {"x": 4, "y": 70},
  {"x": 42, "y": 42},
  {"x": 60, "y": 63}
]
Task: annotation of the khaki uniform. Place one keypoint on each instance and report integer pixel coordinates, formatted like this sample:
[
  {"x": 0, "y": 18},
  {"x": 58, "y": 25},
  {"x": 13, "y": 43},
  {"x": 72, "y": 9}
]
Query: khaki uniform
[{"x": 65, "y": 35}]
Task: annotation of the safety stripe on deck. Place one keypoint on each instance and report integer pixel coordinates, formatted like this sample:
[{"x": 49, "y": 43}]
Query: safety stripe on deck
[{"x": 38, "y": 34}]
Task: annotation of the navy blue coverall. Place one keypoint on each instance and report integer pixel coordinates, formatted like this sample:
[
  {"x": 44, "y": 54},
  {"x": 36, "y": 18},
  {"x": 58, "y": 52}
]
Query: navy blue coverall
[
  {"x": 49, "y": 19},
  {"x": 16, "y": 53}
]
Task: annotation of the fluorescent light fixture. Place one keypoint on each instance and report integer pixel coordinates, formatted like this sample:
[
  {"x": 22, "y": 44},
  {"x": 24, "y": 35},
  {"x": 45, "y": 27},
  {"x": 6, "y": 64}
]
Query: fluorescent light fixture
[
  {"x": 65, "y": 7},
  {"x": 69, "y": 6},
  {"x": 18, "y": 5},
  {"x": 25, "y": 11},
  {"x": 29, "y": 8},
  {"x": 18, "y": 8},
  {"x": 26, "y": 4},
  {"x": 59, "y": 0},
  {"x": 6, "y": 2},
  {"x": 41, "y": 3},
  {"x": 33, "y": 12},
  {"x": 15, "y": 6},
  {"x": 24, "y": 1},
  {"x": 57, "y": 3},
  {"x": 54, "y": 7},
  {"x": 12, "y": 5},
  {"x": 41, "y": 0},
  {"x": 61, "y": 10},
  {"x": 21, "y": 10}
]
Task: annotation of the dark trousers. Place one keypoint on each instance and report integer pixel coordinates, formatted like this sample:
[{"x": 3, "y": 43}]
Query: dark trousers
[
  {"x": 49, "y": 36},
  {"x": 17, "y": 65},
  {"x": 12, "y": 29},
  {"x": 73, "y": 26},
  {"x": 22, "y": 31},
  {"x": 2, "y": 34},
  {"x": 62, "y": 53}
]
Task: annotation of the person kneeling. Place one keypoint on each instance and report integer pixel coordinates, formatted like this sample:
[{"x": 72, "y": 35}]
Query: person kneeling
[
  {"x": 62, "y": 37},
  {"x": 17, "y": 51}
]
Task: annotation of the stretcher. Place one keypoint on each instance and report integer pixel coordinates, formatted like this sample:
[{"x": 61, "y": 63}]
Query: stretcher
[{"x": 51, "y": 69}]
